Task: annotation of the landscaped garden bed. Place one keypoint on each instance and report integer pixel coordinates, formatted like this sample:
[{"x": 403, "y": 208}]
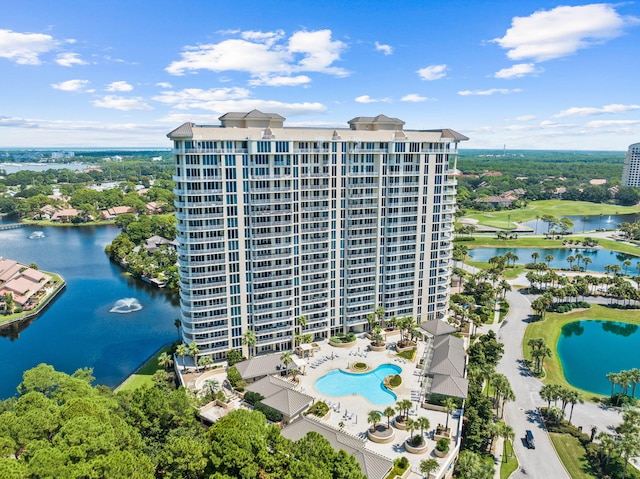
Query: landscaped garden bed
[{"x": 342, "y": 340}]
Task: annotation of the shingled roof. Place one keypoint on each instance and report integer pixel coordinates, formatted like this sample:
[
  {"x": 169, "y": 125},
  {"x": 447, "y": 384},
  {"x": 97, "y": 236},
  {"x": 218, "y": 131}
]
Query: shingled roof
[{"x": 436, "y": 327}]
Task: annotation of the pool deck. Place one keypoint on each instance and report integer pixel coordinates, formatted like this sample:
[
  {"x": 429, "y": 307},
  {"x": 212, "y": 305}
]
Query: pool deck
[{"x": 353, "y": 410}]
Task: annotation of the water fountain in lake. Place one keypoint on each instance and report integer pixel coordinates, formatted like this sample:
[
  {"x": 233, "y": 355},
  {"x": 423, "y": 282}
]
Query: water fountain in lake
[
  {"x": 126, "y": 305},
  {"x": 36, "y": 235}
]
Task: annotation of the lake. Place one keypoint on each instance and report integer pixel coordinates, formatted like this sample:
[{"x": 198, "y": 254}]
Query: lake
[
  {"x": 588, "y": 350},
  {"x": 78, "y": 330},
  {"x": 599, "y": 257},
  {"x": 582, "y": 224}
]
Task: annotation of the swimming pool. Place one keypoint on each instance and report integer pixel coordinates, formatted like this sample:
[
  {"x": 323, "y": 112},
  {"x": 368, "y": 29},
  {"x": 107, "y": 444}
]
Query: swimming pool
[{"x": 369, "y": 385}]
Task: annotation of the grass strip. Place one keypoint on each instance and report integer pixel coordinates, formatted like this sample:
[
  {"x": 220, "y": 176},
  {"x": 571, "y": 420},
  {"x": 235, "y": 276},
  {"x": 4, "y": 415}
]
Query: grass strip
[
  {"x": 507, "y": 468},
  {"x": 144, "y": 373},
  {"x": 572, "y": 455}
]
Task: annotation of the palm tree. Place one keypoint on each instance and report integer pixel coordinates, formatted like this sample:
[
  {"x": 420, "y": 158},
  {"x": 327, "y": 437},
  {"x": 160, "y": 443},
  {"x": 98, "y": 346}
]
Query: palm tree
[
  {"x": 449, "y": 406},
  {"x": 548, "y": 258},
  {"x": 423, "y": 423},
  {"x": 570, "y": 260},
  {"x": 373, "y": 418},
  {"x": 193, "y": 352},
  {"x": 586, "y": 262},
  {"x": 177, "y": 323},
  {"x": 613, "y": 379},
  {"x": 535, "y": 255},
  {"x": 212, "y": 385},
  {"x": 626, "y": 264},
  {"x": 428, "y": 466},
  {"x": 249, "y": 339},
  {"x": 411, "y": 427},
  {"x": 165, "y": 361},
  {"x": 286, "y": 359},
  {"x": 403, "y": 406},
  {"x": 379, "y": 312},
  {"x": 388, "y": 413},
  {"x": 508, "y": 434},
  {"x": 573, "y": 398},
  {"x": 182, "y": 351},
  {"x": 607, "y": 445},
  {"x": 205, "y": 361}
]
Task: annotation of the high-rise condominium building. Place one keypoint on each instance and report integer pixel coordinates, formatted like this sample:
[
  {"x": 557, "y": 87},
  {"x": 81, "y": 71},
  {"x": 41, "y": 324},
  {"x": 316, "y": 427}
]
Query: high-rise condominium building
[
  {"x": 278, "y": 223},
  {"x": 631, "y": 170}
]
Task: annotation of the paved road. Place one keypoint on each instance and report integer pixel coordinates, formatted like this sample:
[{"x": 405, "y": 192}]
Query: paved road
[{"x": 522, "y": 414}]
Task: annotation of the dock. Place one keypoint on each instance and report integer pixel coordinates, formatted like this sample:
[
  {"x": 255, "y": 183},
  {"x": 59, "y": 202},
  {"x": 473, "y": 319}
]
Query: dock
[{"x": 11, "y": 226}]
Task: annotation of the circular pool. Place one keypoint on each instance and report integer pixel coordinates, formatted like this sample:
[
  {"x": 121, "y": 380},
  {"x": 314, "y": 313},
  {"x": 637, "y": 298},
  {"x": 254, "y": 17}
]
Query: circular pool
[{"x": 368, "y": 385}]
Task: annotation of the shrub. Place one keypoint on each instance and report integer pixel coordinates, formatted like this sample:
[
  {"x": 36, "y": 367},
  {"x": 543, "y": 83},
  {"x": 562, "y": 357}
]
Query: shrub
[
  {"x": 443, "y": 444},
  {"x": 253, "y": 397},
  {"x": 360, "y": 366},
  {"x": 416, "y": 441},
  {"x": 233, "y": 376},
  {"x": 402, "y": 463},
  {"x": 395, "y": 381},
  {"x": 270, "y": 413},
  {"x": 319, "y": 409}
]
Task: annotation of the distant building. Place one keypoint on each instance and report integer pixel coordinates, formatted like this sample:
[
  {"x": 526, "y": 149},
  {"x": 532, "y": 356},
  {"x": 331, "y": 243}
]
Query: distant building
[{"x": 631, "y": 170}]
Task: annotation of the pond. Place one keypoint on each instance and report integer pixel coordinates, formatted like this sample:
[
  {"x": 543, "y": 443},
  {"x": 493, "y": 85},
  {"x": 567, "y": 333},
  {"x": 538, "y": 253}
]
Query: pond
[
  {"x": 104, "y": 319},
  {"x": 588, "y": 350},
  {"x": 582, "y": 224},
  {"x": 599, "y": 257}
]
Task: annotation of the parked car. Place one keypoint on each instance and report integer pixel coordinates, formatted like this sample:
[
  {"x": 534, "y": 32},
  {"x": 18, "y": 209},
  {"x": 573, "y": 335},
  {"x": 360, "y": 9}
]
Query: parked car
[{"x": 528, "y": 435}]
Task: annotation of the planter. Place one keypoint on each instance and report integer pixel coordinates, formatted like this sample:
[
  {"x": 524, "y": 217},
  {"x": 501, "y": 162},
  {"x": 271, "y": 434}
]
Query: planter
[
  {"x": 381, "y": 435},
  {"x": 223, "y": 404},
  {"x": 440, "y": 453},
  {"x": 407, "y": 347},
  {"x": 382, "y": 347},
  {"x": 400, "y": 424},
  {"x": 342, "y": 345},
  {"x": 421, "y": 449}
]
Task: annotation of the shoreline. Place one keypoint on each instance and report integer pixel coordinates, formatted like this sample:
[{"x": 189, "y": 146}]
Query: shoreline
[
  {"x": 42, "y": 306},
  {"x": 143, "y": 365}
]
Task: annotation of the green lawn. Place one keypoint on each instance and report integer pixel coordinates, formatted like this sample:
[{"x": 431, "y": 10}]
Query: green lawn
[
  {"x": 144, "y": 374},
  {"x": 572, "y": 455},
  {"x": 550, "y": 329},
  {"x": 507, "y": 468},
  {"x": 500, "y": 219}
]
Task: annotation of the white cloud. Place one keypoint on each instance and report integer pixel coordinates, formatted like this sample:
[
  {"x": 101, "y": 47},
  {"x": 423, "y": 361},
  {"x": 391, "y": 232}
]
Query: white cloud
[
  {"x": 433, "y": 72},
  {"x": 562, "y": 31},
  {"x": 122, "y": 103},
  {"x": 119, "y": 86},
  {"x": 280, "y": 80},
  {"x": 414, "y": 97},
  {"x": 491, "y": 91},
  {"x": 587, "y": 111},
  {"x": 319, "y": 52},
  {"x": 25, "y": 48},
  {"x": 69, "y": 59},
  {"x": 164, "y": 84},
  {"x": 266, "y": 55},
  {"x": 386, "y": 49},
  {"x": 517, "y": 71},
  {"x": 223, "y": 100},
  {"x": 368, "y": 99},
  {"x": 194, "y": 97},
  {"x": 525, "y": 118},
  {"x": 268, "y": 38},
  {"x": 249, "y": 104},
  {"x": 607, "y": 123},
  {"x": 71, "y": 85}
]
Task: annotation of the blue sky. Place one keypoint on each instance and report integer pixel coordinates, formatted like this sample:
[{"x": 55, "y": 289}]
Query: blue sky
[{"x": 525, "y": 74}]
